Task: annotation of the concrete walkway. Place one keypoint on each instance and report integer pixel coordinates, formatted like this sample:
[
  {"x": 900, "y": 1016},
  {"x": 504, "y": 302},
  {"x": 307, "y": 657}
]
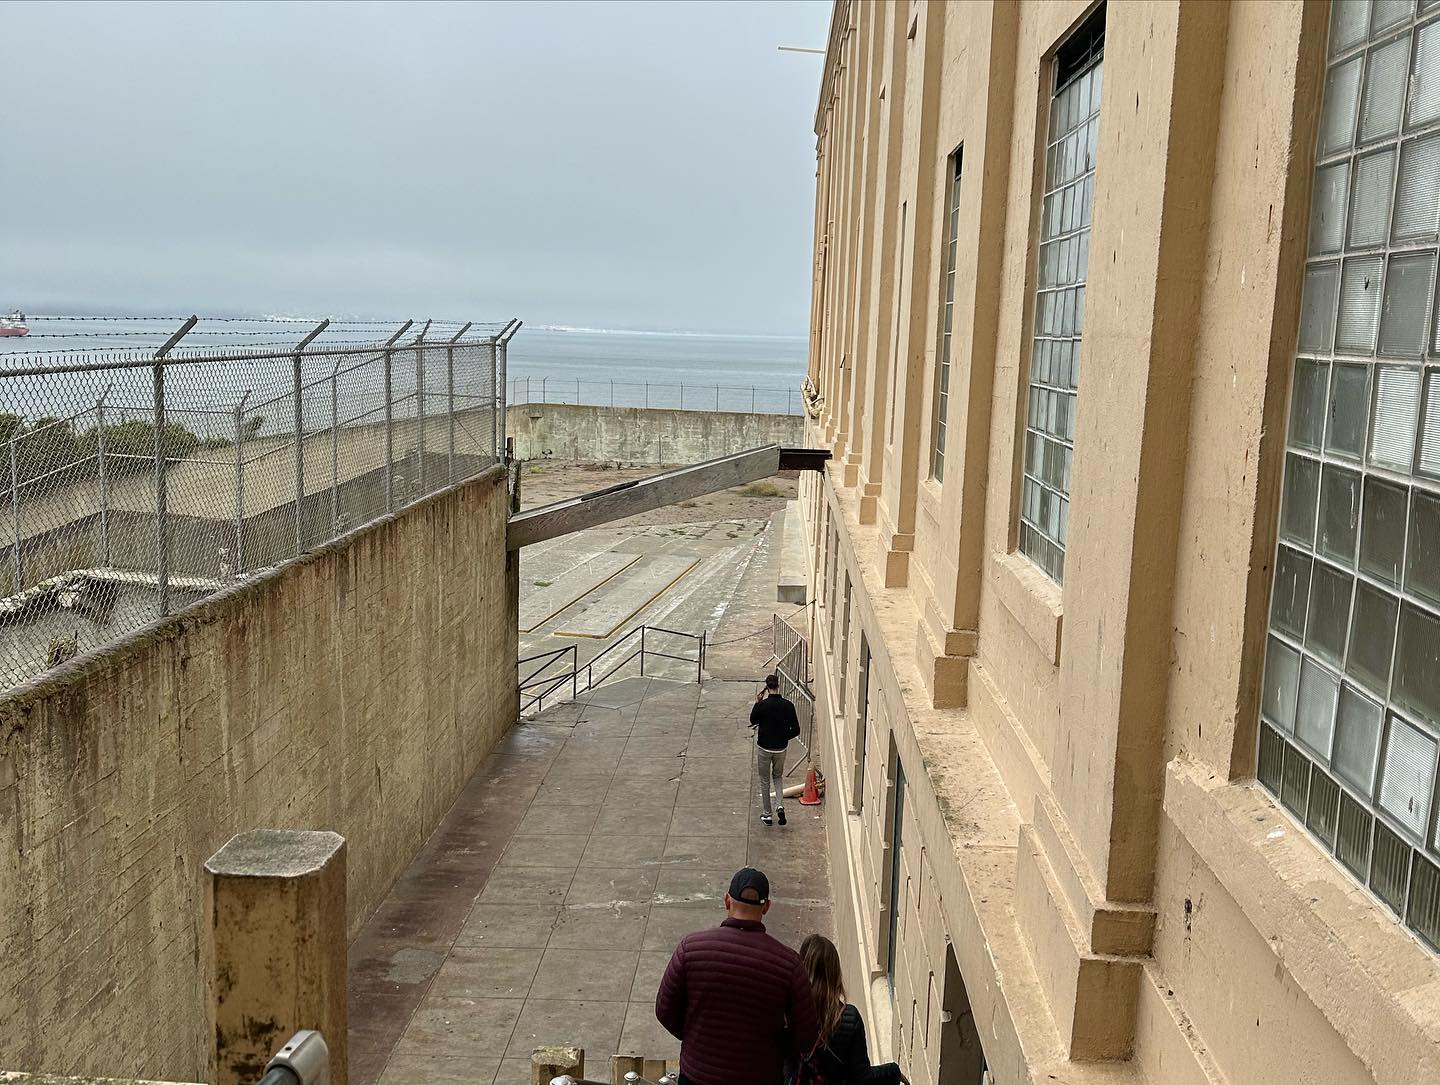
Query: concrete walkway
[{"x": 546, "y": 905}]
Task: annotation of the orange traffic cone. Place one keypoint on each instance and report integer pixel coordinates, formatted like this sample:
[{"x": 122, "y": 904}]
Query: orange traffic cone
[{"x": 811, "y": 795}]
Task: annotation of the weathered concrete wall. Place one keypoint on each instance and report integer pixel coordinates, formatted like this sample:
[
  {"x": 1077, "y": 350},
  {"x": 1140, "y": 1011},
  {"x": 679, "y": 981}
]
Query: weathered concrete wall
[
  {"x": 354, "y": 690},
  {"x": 641, "y": 435}
]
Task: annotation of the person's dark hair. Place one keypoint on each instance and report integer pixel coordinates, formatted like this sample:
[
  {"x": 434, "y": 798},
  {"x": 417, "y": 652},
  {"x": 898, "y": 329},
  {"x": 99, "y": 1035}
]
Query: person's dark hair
[
  {"x": 772, "y": 681},
  {"x": 822, "y": 965}
]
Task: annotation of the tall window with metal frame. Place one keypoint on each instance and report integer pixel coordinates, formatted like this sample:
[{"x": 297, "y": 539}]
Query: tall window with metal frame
[
  {"x": 1350, "y": 700},
  {"x": 947, "y": 321},
  {"x": 1059, "y": 315}
]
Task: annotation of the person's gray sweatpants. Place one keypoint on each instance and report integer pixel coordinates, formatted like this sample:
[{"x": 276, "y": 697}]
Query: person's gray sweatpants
[{"x": 769, "y": 766}]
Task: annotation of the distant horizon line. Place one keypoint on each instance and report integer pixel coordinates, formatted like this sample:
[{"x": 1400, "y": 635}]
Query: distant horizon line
[{"x": 579, "y": 329}]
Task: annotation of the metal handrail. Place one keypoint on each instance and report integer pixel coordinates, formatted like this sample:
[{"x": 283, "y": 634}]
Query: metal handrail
[{"x": 551, "y": 682}]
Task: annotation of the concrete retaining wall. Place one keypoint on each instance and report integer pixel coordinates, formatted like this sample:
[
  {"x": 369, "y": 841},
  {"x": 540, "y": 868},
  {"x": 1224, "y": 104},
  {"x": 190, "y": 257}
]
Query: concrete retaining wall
[
  {"x": 563, "y": 431},
  {"x": 354, "y": 690}
]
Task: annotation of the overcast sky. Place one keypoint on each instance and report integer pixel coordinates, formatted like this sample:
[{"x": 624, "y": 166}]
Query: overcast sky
[{"x": 633, "y": 165}]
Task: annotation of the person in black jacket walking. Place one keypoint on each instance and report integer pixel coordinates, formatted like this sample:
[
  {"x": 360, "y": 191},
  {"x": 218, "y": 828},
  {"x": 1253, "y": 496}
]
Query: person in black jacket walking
[
  {"x": 840, "y": 1056},
  {"x": 775, "y": 723}
]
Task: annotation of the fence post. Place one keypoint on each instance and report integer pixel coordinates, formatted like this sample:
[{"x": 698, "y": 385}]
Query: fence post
[
  {"x": 502, "y": 358},
  {"x": 574, "y": 672},
  {"x": 642, "y": 651},
  {"x": 300, "y": 432},
  {"x": 104, "y": 480},
  {"x": 335, "y": 449},
  {"x": 390, "y": 416},
  {"x": 612, "y": 391},
  {"x": 577, "y": 391},
  {"x": 700, "y": 663},
  {"x": 15, "y": 515},
  {"x": 752, "y": 399},
  {"x": 647, "y": 393},
  {"x": 240, "y": 483},
  {"x": 717, "y": 398},
  {"x": 682, "y": 397},
  {"x": 162, "y": 525},
  {"x": 788, "y": 408},
  {"x": 420, "y": 406},
  {"x": 450, "y": 399}
]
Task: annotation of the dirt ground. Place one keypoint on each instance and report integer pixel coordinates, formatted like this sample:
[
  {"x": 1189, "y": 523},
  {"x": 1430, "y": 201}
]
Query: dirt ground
[{"x": 545, "y": 481}]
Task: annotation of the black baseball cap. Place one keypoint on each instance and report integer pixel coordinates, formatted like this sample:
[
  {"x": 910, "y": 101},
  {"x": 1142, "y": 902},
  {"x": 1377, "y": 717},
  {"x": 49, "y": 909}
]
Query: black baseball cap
[{"x": 751, "y": 881}]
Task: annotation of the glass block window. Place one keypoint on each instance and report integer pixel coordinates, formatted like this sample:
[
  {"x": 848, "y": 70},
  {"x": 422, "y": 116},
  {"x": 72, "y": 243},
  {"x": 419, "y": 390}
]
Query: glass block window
[
  {"x": 1350, "y": 697},
  {"x": 1074, "y": 131},
  {"x": 947, "y": 323}
]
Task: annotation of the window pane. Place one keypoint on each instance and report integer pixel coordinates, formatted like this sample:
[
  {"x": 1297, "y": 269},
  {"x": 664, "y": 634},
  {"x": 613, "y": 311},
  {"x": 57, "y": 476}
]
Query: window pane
[
  {"x": 1295, "y": 781},
  {"x": 1407, "y": 779},
  {"x": 1282, "y": 677},
  {"x": 1349, "y": 412},
  {"x": 1324, "y": 802},
  {"x": 1339, "y": 513},
  {"x": 1352, "y": 841},
  {"x": 1327, "y": 210},
  {"x": 1315, "y": 711},
  {"x": 1382, "y": 530},
  {"x": 1370, "y": 199},
  {"x": 1422, "y": 557},
  {"x": 1349, "y": 23},
  {"x": 1302, "y": 486},
  {"x": 1372, "y": 639},
  {"x": 1307, "y": 404},
  {"x": 1424, "y": 912},
  {"x": 1417, "y": 663},
  {"x": 1317, "y": 308},
  {"x": 1292, "y": 592},
  {"x": 1357, "y": 739},
  {"x": 1342, "y": 101},
  {"x": 1430, "y": 428},
  {"x": 1329, "y": 612},
  {"x": 1386, "y": 72},
  {"x": 1417, "y": 196},
  {"x": 1408, "y": 290},
  {"x": 1425, "y": 87},
  {"x": 1272, "y": 758},
  {"x": 1397, "y": 408},
  {"x": 1390, "y": 869},
  {"x": 1359, "y": 305}
]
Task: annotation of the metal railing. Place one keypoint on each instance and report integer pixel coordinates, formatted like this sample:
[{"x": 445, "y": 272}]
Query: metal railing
[
  {"x": 792, "y": 666},
  {"x": 790, "y": 649},
  {"x": 544, "y": 680},
  {"x": 135, "y": 483},
  {"x": 742, "y": 399}
]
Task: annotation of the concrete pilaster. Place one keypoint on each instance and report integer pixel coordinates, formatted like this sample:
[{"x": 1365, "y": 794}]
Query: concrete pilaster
[{"x": 275, "y": 906}]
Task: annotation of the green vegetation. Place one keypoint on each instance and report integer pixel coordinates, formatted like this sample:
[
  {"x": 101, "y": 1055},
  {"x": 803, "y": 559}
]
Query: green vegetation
[
  {"x": 49, "y": 445},
  {"x": 761, "y": 489}
]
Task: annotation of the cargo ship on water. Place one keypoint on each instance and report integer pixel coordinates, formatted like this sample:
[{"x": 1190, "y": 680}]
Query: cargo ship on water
[{"x": 13, "y": 324}]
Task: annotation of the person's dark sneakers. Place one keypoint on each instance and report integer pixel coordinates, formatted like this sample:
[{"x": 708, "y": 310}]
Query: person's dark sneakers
[
  {"x": 780, "y": 813},
  {"x": 766, "y": 819}
]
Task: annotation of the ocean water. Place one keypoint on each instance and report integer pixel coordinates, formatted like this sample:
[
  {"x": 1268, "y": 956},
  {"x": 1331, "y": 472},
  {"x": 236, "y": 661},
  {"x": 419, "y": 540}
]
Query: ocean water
[{"x": 658, "y": 369}]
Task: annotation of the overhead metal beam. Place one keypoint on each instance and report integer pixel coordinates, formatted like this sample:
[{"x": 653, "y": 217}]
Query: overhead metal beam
[{"x": 646, "y": 494}]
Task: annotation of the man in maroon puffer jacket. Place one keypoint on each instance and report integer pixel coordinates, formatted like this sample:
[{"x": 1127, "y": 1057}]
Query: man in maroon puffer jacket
[{"x": 737, "y": 1000}]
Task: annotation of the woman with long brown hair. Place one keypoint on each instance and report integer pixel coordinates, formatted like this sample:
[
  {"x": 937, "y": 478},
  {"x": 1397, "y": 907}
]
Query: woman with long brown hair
[{"x": 841, "y": 1056}]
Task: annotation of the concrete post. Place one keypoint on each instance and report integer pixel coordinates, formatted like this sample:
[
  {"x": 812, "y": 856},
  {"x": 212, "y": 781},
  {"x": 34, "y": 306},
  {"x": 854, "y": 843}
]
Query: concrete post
[
  {"x": 275, "y": 907},
  {"x": 548, "y": 1063}
]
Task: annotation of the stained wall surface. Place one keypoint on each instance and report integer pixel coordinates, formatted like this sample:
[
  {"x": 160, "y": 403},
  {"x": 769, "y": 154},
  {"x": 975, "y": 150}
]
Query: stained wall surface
[
  {"x": 353, "y": 690},
  {"x": 639, "y": 435}
]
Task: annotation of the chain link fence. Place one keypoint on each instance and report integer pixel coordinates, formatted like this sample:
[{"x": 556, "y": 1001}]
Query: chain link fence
[{"x": 134, "y": 484}]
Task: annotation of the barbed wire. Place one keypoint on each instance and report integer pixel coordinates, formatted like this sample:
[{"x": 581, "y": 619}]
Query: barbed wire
[{"x": 334, "y": 321}]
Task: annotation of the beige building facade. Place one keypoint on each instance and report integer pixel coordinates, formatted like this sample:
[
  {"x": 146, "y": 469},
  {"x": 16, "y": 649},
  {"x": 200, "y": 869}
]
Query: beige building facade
[{"x": 1127, "y": 564}]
